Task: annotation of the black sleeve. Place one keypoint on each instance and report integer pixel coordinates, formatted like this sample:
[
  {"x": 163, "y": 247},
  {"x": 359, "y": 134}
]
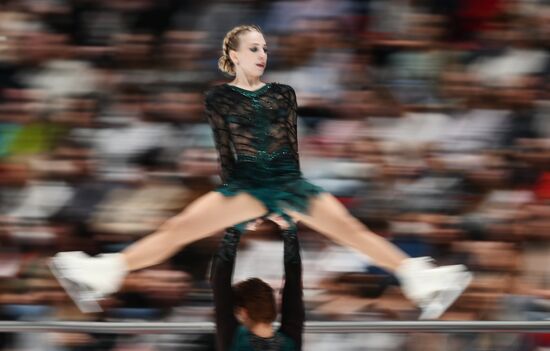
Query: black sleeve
[
  {"x": 220, "y": 279},
  {"x": 292, "y": 308},
  {"x": 221, "y": 137},
  {"x": 292, "y": 120}
]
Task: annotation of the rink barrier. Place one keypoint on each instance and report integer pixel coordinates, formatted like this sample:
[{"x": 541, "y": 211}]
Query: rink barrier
[{"x": 339, "y": 327}]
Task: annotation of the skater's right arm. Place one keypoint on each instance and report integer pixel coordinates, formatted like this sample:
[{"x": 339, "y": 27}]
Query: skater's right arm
[
  {"x": 220, "y": 278},
  {"x": 221, "y": 135}
]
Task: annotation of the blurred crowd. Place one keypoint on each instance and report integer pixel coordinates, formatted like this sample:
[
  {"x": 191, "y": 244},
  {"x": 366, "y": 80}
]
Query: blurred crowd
[{"x": 428, "y": 119}]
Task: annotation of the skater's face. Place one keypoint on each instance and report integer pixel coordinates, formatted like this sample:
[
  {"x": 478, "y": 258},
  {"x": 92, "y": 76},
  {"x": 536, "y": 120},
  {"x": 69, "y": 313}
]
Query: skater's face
[{"x": 250, "y": 58}]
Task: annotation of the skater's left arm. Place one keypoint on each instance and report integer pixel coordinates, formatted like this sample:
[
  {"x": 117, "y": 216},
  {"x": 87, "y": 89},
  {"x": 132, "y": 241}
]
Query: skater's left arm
[
  {"x": 292, "y": 119},
  {"x": 292, "y": 309}
]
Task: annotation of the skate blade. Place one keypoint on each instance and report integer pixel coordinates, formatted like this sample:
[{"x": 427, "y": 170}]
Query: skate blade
[
  {"x": 446, "y": 298},
  {"x": 81, "y": 296}
]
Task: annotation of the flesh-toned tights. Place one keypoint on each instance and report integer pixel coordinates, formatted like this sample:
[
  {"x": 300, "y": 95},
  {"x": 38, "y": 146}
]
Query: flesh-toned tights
[{"x": 214, "y": 212}]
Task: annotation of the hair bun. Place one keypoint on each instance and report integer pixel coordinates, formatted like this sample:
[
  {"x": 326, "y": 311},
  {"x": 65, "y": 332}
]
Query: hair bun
[{"x": 225, "y": 65}]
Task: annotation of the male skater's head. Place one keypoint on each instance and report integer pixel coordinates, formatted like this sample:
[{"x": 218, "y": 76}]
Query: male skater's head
[
  {"x": 254, "y": 304},
  {"x": 245, "y": 311}
]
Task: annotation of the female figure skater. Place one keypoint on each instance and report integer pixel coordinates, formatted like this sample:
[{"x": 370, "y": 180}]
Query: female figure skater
[{"x": 254, "y": 125}]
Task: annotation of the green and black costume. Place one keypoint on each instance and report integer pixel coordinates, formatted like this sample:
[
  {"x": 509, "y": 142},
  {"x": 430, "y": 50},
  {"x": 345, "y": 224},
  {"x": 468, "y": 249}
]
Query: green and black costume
[{"x": 256, "y": 138}]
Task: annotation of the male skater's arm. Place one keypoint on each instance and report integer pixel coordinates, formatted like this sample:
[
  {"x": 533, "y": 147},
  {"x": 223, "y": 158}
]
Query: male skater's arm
[
  {"x": 220, "y": 278},
  {"x": 292, "y": 306}
]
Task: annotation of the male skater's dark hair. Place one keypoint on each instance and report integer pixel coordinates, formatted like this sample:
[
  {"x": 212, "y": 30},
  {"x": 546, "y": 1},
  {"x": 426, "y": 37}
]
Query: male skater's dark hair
[{"x": 257, "y": 298}]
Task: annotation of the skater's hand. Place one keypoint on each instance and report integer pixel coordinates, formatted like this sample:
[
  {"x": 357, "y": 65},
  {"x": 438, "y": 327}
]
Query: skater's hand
[{"x": 253, "y": 225}]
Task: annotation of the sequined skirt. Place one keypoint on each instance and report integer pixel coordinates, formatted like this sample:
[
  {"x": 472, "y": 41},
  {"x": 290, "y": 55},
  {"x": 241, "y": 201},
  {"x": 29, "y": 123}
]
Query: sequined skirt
[{"x": 275, "y": 181}]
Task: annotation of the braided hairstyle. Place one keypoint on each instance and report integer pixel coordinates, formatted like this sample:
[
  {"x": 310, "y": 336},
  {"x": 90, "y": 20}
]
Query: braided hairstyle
[{"x": 231, "y": 42}]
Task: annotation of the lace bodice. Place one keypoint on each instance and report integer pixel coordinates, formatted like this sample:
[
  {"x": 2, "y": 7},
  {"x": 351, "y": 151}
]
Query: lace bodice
[{"x": 254, "y": 131}]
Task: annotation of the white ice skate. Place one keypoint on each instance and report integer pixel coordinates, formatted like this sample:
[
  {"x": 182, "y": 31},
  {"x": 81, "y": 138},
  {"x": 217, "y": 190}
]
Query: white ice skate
[
  {"x": 87, "y": 280},
  {"x": 433, "y": 289}
]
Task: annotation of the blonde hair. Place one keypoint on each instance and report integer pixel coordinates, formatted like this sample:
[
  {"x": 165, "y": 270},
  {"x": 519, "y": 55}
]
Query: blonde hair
[{"x": 231, "y": 42}]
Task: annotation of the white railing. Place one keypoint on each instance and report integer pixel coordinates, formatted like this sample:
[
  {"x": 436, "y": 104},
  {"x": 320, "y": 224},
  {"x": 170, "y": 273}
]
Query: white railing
[{"x": 310, "y": 327}]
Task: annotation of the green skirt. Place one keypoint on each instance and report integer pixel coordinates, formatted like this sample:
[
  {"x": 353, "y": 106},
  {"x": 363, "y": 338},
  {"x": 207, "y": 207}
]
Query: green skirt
[
  {"x": 293, "y": 195},
  {"x": 275, "y": 180}
]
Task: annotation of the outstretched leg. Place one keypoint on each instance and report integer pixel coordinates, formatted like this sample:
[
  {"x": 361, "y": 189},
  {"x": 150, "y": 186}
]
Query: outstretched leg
[
  {"x": 432, "y": 288},
  {"x": 329, "y": 217},
  {"x": 204, "y": 217},
  {"x": 88, "y": 279}
]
